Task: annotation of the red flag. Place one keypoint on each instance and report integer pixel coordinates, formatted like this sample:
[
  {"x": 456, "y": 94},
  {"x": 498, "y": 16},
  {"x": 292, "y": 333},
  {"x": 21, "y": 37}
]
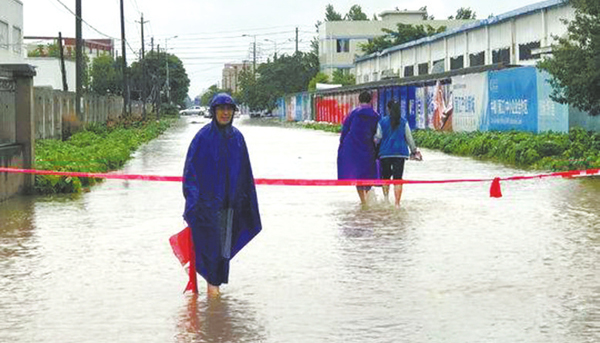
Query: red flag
[
  {"x": 182, "y": 244},
  {"x": 495, "y": 191}
]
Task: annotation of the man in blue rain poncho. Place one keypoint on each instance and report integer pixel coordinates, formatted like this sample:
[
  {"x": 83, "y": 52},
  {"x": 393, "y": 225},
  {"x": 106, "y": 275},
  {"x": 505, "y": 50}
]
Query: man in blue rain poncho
[
  {"x": 221, "y": 207},
  {"x": 356, "y": 152}
]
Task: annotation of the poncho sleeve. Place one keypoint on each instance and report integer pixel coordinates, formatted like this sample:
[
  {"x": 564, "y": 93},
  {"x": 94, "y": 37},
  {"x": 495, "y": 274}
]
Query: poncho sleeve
[{"x": 191, "y": 186}]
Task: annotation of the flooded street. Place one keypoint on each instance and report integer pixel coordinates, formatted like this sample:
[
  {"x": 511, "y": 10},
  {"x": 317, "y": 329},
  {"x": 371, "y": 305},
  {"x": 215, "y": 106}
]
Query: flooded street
[{"x": 451, "y": 265}]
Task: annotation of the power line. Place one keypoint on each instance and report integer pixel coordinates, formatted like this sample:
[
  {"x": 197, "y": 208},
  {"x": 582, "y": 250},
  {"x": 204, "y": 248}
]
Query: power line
[{"x": 85, "y": 22}]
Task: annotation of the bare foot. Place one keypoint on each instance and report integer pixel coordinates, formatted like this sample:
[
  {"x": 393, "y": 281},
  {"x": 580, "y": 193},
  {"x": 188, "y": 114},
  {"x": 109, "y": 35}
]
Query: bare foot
[{"x": 212, "y": 291}]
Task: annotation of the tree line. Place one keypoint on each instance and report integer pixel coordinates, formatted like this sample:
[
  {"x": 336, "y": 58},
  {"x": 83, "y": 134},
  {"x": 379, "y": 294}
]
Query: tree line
[{"x": 148, "y": 76}]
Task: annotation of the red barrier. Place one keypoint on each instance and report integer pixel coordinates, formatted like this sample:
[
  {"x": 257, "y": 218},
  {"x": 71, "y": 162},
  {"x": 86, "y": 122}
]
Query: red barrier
[{"x": 495, "y": 190}]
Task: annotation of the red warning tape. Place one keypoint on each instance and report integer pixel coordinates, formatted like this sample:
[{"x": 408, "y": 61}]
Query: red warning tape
[{"x": 494, "y": 191}]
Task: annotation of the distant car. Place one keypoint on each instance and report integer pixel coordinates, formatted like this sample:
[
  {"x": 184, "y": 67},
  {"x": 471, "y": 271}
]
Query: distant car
[
  {"x": 194, "y": 110},
  {"x": 260, "y": 113}
]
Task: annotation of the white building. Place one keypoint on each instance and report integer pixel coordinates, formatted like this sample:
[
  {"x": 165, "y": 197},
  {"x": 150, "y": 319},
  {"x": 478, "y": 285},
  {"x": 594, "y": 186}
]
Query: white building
[
  {"x": 11, "y": 31},
  {"x": 339, "y": 40},
  {"x": 518, "y": 37}
]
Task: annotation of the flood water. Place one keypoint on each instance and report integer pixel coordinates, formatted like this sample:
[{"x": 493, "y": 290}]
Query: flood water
[{"x": 451, "y": 265}]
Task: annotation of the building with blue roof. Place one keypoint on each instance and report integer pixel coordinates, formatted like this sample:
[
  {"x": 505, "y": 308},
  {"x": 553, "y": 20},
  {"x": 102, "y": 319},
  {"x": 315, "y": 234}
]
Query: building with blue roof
[{"x": 518, "y": 37}]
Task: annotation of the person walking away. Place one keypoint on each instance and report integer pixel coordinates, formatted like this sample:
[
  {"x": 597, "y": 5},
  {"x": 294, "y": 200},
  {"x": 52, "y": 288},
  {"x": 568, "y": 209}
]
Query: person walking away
[
  {"x": 356, "y": 152},
  {"x": 394, "y": 138},
  {"x": 221, "y": 205}
]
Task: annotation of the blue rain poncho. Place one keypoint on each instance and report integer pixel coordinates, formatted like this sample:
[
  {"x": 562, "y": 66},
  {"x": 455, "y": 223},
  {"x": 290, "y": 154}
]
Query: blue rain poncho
[
  {"x": 221, "y": 206},
  {"x": 356, "y": 152}
]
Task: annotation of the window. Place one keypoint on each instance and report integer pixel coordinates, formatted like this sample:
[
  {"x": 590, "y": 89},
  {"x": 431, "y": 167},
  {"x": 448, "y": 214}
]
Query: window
[
  {"x": 3, "y": 35},
  {"x": 457, "y": 63},
  {"x": 423, "y": 68},
  {"x": 439, "y": 66},
  {"x": 501, "y": 56},
  {"x": 16, "y": 39},
  {"x": 477, "y": 59},
  {"x": 409, "y": 71},
  {"x": 525, "y": 51},
  {"x": 343, "y": 45}
]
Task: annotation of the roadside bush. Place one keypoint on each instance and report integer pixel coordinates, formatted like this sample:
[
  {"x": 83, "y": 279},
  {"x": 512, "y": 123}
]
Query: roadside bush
[
  {"x": 577, "y": 149},
  {"x": 96, "y": 149}
]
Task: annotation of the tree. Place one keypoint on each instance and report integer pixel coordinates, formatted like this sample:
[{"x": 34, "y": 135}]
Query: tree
[
  {"x": 425, "y": 16},
  {"x": 404, "y": 33},
  {"x": 206, "y": 98},
  {"x": 288, "y": 74},
  {"x": 155, "y": 67},
  {"x": 575, "y": 65},
  {"x": 318, "y": 78},
  {"x": 356, "y": 14},
  {"x": 106, "y": 76},
  {"x": 342, "y": 78},
  {"x": 331, "y": 14},
  {"x": 464, "y": 13}
]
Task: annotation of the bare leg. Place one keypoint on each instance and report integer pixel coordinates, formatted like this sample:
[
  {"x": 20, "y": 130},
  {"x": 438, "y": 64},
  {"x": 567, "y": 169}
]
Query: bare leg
[
  {"x": 398, "y": 194},
  {"x": 386, "y": 191},
  {"x": 362, "y": 194},
  {"x": 212, "y": 291}
]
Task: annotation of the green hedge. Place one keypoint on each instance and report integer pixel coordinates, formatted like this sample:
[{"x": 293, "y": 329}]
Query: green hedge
[
  {"x": 97, "y": 149},
  {"x": 578, "y": 149}
]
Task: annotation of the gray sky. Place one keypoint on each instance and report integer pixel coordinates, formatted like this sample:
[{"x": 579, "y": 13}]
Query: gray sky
[{"x": 210, "y": 32}]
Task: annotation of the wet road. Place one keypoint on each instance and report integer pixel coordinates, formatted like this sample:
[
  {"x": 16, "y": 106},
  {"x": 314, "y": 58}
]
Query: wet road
[{"x": 452, "y": 265}]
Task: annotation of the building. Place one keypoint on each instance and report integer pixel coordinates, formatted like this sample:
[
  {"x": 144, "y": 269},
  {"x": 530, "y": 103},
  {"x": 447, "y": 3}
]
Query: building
[
  {"x": 11, "y": 31},
  {"x": 48, "y": 65},
  {"x": 518, "y": 37},
  {"x": 38, "y": 45},
  {"x": 231, "y": 73},
  {"x": 339, "y": 41}
]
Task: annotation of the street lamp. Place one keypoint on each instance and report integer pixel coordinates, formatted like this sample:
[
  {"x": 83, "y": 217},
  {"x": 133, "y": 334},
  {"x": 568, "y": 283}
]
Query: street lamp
[
  {"x": 167, "y": 58},
  {"x": 274, "y": 49},
  {"x": 253, "y": 52}
]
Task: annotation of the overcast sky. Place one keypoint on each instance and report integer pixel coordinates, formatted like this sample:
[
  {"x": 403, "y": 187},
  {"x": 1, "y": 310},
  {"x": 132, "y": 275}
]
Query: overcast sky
[{"x": 209, "y": 33}]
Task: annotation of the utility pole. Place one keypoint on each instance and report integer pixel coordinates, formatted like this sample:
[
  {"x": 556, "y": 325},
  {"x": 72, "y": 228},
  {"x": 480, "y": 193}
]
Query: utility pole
[
  {"x": 142, "y": 63},
  {"x": 78, "y": 61},
  {"x": 125, "y": 73},
  {"x": 296, "y": 40},
  {"x": 62, "y": 63},
  {"x": 167, "y": 60},
  {"x": 152, "y": 43},
  {"x": 158, "y": 99},
  {"x": 253, "y": 53}
]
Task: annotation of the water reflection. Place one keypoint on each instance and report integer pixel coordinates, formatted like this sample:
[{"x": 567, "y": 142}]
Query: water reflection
[{"x": 220, "y": 319}]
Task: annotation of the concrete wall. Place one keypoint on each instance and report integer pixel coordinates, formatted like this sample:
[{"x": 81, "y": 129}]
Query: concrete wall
[
  {"x": 11, "y": 156},
  {"x": 53, "y": 107},
  {"x": 19, "y": 150}
]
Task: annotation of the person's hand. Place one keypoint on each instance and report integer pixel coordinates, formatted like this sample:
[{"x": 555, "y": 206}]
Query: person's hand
[{"x": 416, "y": 156}]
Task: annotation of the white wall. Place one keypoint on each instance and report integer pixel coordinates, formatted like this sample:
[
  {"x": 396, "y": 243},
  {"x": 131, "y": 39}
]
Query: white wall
[{"x": 49, "y": 74}]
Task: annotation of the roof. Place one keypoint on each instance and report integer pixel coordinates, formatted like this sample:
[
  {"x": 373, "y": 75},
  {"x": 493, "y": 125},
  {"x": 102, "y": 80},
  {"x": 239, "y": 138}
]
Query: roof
[
  {"x": 470, "y": 26},
  {"x": 418, "y": 80}
]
